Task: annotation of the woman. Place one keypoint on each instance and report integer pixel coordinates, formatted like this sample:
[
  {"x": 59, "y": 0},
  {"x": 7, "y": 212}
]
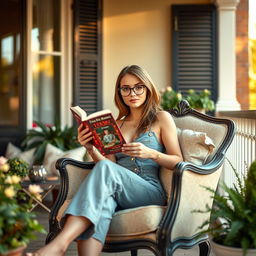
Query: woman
[{"x": 124, "y": 180}]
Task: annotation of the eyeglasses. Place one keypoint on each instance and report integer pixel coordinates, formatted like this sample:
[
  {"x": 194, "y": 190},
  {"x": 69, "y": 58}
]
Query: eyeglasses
[{"x": 137, "y": 89}]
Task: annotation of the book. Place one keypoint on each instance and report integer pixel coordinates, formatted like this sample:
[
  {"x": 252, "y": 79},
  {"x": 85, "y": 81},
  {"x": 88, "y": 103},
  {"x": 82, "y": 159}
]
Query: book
[{"x": 107, "y": 137}]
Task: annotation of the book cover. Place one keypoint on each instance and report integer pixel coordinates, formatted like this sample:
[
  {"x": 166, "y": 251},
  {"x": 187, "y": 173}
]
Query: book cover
[{"x": 107, "y": 137}]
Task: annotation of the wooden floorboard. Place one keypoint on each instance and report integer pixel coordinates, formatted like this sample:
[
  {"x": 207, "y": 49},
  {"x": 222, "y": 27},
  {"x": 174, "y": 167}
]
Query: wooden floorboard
[{"x": 42, "y": 217}]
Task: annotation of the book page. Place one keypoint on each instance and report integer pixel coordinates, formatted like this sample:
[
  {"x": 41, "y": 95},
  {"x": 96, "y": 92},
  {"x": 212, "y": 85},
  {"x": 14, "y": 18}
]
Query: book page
[
  {"x": 80, "y": 112},
  {"x": 98, "y": 113}
]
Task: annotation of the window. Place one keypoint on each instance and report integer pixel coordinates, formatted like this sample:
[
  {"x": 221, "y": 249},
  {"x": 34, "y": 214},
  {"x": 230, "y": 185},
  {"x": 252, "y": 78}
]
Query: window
[{"x": 46, "y": 59}]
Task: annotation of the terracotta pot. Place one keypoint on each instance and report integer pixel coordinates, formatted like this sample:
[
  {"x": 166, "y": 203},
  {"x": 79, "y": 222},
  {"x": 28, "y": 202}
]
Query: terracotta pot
[
  {"x": 222, "y": 250},
  {"x": 15, "y": 252}
]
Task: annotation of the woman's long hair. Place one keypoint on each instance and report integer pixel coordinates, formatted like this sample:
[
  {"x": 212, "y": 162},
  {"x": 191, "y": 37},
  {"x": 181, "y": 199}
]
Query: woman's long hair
[{"x": 151, "y": 104}]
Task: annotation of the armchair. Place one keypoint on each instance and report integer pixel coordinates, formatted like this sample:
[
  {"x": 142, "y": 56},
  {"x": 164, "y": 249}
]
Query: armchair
[{"x": 159, "y": 229}]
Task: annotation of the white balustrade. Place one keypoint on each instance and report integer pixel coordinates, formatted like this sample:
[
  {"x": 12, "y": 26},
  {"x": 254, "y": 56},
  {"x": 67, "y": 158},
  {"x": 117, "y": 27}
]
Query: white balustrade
[{"x": 242, "y": 151}]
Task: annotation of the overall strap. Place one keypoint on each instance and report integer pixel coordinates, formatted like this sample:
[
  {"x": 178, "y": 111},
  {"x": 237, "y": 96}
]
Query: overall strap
[{"x": 122, "y": 122}]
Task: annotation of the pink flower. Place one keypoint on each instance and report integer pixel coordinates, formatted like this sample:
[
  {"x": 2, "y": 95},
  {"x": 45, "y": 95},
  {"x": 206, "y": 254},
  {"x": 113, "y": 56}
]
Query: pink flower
[{"x": 3, "y": 160}]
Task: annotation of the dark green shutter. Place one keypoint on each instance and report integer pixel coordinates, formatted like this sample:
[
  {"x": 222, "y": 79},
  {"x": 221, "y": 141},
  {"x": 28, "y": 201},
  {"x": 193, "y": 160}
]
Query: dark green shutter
[
  {"x": 194, "y": 48},
  {"x": 87, "y": 54}
]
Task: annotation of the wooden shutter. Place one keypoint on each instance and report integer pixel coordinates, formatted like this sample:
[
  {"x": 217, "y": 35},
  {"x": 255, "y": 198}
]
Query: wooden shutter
[
  {"x": 194, "y": 48},
  {"x": 87, "y": 54}
]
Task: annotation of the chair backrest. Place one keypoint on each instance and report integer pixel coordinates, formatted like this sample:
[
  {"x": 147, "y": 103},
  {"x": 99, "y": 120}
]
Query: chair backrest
[{"x": 217, "y": 129}]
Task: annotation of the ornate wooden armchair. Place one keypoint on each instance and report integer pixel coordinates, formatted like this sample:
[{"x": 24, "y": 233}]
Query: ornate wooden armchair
[{"x": 163, "y": 229}]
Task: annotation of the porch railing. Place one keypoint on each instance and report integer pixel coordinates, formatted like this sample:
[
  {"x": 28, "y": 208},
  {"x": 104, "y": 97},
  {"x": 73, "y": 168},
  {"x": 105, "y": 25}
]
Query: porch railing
[{"x": 242, "y": 151}]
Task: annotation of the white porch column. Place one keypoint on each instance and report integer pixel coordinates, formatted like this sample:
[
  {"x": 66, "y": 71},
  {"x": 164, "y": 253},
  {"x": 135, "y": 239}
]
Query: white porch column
[{"x": 227, "y": 55}]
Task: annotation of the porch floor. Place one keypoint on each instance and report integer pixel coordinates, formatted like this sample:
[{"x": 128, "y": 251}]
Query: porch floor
[{"x": 42, "y": 217}]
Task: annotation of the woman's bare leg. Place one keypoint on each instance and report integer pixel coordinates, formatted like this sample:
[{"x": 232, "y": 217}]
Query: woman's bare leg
[
  {"x": 89, "y": 247},
  {"x": 73, "y": 227}
]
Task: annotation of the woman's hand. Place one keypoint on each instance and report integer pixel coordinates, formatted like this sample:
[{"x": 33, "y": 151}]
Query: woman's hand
[
  {"x": 138, "y": 149},
  {"x": 85, "y": 137}
]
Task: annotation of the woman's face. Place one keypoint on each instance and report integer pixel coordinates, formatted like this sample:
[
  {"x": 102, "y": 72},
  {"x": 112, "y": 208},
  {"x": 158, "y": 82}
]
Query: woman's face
[{"x": 137, "y": 96}]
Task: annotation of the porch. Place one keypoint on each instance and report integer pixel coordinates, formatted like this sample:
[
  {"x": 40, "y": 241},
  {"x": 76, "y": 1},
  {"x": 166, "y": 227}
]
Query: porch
[{"x": 241, "y": 153}]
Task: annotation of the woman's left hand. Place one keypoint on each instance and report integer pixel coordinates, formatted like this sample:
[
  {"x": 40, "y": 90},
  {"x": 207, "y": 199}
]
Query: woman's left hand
[{"x": 137, "y": 149}]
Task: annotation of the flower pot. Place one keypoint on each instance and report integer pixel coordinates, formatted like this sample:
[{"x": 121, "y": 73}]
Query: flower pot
[
  {"x": 222, "y": 250},
  {"x": 15, "y": 252}
]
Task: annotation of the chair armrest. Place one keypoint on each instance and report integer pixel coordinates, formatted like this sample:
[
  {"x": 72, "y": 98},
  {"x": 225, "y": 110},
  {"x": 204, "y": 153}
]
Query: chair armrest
[
  {"x": 188, "y": 194},
  {"x": 62, "y": 166}
]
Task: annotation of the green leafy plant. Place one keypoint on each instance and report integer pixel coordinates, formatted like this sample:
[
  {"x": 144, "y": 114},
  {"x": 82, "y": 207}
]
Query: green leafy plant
[
  {"x": 170, "y": 98},
  {"x": 232, "y": 221},
  {"x": 200, "y": 100},
  {"x": 18, "y": 167},
  {"x": 17, "y": 224},
  {"x": 65, "y": 139}
]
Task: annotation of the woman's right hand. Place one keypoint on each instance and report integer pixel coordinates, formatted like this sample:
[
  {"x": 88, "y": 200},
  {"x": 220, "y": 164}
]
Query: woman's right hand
[{"x": 85, "y": 137}]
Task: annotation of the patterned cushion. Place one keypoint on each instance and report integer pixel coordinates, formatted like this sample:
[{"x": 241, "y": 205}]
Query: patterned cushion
[
  {"x": 52, "y": 154},
  {"x": 13, "y": 151},
  {"x": 195, "y": 146}
]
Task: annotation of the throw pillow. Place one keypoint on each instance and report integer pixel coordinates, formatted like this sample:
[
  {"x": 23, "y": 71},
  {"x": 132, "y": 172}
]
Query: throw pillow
[
  {"x": 13, "y": 151},
  {"x": 52, "y": 154},
  {"x": 195, "y": 146}
]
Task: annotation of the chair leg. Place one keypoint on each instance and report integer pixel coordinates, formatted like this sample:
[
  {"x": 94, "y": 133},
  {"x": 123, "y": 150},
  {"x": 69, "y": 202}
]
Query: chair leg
[
  {"x": 204, "y": 248},
  {"x": 134, "y": 252}
]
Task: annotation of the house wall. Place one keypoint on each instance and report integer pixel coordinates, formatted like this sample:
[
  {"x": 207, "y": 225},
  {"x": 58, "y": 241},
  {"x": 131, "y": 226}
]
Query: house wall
[{"x": 137, "y": 32}]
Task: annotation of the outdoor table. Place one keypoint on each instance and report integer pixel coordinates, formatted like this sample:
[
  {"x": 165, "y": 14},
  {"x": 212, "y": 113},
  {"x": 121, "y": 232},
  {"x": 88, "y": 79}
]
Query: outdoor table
[{"x": 47, "y": 186}]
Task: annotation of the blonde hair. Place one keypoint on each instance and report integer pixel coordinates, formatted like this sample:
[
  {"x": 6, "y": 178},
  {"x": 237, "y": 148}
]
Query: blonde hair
[{"x": 151, "y": 104}]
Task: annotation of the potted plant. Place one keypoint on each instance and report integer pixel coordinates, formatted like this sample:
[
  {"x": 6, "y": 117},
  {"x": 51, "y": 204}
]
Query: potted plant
[
  {"x": 18, "y": 167},
  {"x": 17, "y": 223},
  {"x": 200, "y": 100},
  {"x": 65, "y": 139},
  {"x": 170, "y": 98},
  {"x": 232, "y": 225}
]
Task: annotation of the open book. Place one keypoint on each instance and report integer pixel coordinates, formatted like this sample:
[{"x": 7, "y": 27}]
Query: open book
[{"x": 107, "y": 137}]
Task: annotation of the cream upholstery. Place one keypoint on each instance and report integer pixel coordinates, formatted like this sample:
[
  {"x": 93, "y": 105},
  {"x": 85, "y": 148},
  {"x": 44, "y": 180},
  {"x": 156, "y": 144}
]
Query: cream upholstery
[{"x": 191, "y": 221}]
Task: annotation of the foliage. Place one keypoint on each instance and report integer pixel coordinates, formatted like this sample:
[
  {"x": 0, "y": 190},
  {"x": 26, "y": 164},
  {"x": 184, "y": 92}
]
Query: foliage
[
  {"x": 18, "y": 167},
  {"x": 65, "y": 139},
  {"x": 170, "y": 98},
  {"x": 197, "y": 100},
  {"x": 200, "y": 100},
  {"x": 232, "y": 221},
  {"x": 17, "y": 224}
]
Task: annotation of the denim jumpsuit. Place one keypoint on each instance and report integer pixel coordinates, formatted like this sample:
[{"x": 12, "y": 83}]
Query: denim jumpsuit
[{"x": 128, "y": 183}]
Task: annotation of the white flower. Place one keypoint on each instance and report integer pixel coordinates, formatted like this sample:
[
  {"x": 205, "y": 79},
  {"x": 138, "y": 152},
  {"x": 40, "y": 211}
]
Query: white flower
[
  {"x": 10, "y": 192},
  {"x": 179, "y": 96},
  {"x": 15, "y": 179},
  {"x": 169, "y": 89},
  {"x": 12, "y": 179},
  {"x": 8, "y": 180},
  {"x": 35, "y": 189},
  {"x": 5, "y": 167}
]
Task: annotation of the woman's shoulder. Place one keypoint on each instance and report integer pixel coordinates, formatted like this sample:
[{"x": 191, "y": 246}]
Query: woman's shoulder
[
  {"x": 165, "y": 120},
  {"x": 163, "y": 115}
]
